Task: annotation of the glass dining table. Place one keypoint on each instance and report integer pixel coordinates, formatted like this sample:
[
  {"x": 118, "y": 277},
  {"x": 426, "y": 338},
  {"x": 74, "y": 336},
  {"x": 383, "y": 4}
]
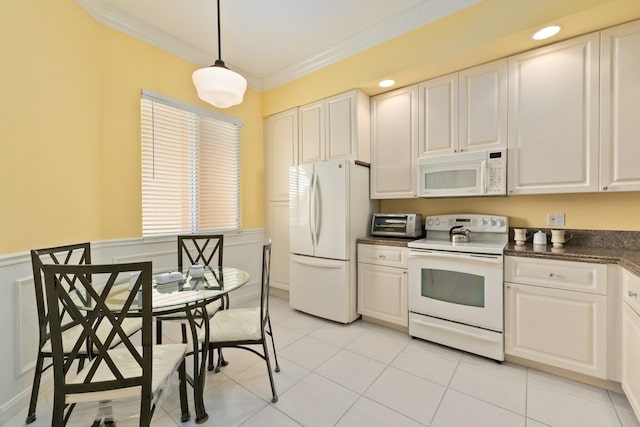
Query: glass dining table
[{"x": 184, "y": 297}]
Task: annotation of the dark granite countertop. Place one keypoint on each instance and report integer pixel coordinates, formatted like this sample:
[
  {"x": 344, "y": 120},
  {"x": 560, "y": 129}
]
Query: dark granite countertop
[
  {"x": 627, "y": 258},
  {"x": 599, "y": 246}
]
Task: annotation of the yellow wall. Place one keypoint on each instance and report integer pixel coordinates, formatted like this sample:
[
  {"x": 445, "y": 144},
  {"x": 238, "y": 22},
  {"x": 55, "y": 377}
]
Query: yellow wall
[
  {"x": 605, "y": 211},
  {"x": 70, "y": 127}
]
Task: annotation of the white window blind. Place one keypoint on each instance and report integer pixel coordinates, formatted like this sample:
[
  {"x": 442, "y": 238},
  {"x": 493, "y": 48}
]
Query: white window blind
[{"x": 190, "y": 168}]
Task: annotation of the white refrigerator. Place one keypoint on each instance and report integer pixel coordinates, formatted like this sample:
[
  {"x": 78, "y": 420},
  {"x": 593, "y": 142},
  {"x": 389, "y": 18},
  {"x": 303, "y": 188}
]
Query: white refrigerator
[{"x": 329, "y": 209}]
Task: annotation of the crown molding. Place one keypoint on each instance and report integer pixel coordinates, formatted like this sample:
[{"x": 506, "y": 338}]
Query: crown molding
[{"x": 408, "y": 20}]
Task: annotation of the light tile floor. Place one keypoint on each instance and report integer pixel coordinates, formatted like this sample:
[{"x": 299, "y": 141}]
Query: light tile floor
[{"x": 366, "y": 375}]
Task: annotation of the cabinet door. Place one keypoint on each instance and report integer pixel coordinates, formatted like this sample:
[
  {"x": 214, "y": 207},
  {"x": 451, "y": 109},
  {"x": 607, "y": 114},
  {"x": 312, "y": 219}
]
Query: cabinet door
[
  {"x": 483, "y": 107},
  {"x": 631, "y": 357},
  {"x": 564, "y": 329},
  {"x": 620, "y": 92},
  {"x": 438, "y": 112},
  {"x": 394, "y": 144},
  {"x": 281, "y": 151},
  {"x": 340, "y": 127},
  {"x": 312, "y": 132},
  {"x": 277, "y": 220},
  {"x": 382, "y": 293},
  {"x": 553, "y": 118}
]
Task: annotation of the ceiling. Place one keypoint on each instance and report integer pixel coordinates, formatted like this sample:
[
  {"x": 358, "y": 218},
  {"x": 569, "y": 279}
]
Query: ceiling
[{"x": 269, "y": 42}]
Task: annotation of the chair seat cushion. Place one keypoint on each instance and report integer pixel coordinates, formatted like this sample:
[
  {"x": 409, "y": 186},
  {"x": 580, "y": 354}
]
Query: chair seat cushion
[
  {"x": 71, "y": 335},
  {"x": 166, "y": 358},
  {"x": 237, "y": 324}
]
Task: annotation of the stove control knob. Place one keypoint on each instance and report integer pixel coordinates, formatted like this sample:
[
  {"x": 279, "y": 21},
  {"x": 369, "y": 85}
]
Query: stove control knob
[
  {"x": 502, "y": 222},
  {"x": 493, "y": 222},
  {"x": 430, "y": 221},
  {"x": 437, "y": 221},
  {"x": 484, "y": 221}
]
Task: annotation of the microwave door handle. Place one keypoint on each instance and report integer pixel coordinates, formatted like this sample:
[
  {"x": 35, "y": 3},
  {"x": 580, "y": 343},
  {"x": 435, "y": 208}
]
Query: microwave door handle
[{"x": 483, "y": 177}]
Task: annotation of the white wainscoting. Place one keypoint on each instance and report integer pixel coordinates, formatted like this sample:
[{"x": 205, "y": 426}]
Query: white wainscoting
[{"x": 18, "y": 315}]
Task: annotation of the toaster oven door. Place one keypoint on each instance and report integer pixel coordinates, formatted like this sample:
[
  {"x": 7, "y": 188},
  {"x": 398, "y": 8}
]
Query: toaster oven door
[{"x": 389, "y": 225}]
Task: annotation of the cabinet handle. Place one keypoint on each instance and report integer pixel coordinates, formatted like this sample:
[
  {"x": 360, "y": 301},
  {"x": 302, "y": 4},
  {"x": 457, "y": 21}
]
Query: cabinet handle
[
  {"x": 550, "y": 274},
  {"x": 381, "y": 256},
  {"x": 633, "y": 294},
  {"x": 605, "y": 188}
]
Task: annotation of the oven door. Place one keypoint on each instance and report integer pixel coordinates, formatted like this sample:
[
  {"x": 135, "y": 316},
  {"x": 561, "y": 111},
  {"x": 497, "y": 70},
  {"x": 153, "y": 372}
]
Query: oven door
[{"x": 461, "y": 287}]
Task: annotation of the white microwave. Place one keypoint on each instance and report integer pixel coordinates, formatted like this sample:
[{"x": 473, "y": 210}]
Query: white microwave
[{"x": 480, "y": 173}]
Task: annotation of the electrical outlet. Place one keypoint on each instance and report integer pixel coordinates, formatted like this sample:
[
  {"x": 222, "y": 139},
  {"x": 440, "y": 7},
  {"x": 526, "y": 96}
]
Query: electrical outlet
[{"x": 555, "y": 218}]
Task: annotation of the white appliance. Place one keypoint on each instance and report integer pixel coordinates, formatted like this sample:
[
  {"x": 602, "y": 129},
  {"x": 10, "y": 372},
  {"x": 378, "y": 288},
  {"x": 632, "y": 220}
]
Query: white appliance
[
  {"x": 456, "y": 289},
  {"x": 480, "y": 173},
  {"x": 329, "y": 208}
]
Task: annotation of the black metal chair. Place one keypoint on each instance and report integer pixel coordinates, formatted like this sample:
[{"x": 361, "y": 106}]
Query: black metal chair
[
  {"x": 206, "y": 250},
  {"x": 113, "y": 376},
  {"x": 245, "y": 327},
  {"x": 68, "y": 254}
]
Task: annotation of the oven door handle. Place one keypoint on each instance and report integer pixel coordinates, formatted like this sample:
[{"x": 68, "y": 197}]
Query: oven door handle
[{"x": 456, "y": 256}]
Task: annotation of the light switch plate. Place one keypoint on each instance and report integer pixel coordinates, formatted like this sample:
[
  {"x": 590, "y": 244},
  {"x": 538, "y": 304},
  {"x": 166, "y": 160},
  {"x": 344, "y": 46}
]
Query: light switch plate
[{"x": 555, "y": 218}]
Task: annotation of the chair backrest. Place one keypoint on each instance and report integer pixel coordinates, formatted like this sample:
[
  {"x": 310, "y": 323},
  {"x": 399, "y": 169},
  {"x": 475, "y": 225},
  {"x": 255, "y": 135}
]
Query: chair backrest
[
  {"x": 79, "y": 253},
  {"x": 266, "y": 280},
  {"x": 100, "y": 283},
  {"x": 205, "y": 249}
]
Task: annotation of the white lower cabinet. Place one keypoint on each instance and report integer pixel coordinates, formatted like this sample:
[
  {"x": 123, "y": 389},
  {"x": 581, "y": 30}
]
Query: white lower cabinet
[
  {"x": 382, "y": 283},
  {"x": 631, "y": 340},
  {"x": 550, "y": 322}
]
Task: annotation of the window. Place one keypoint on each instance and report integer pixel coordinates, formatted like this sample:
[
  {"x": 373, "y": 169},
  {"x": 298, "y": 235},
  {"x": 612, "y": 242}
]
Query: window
[{"x": 190, "y": 168}]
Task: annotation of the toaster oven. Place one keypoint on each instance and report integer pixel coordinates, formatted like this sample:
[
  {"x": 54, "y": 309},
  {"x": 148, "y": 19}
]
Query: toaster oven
[{"x": 396, "y": 225}]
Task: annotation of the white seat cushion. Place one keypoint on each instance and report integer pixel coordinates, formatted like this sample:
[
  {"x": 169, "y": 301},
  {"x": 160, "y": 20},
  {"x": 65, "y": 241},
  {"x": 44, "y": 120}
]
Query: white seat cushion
[
  {"x": 70, "y": 336},
  {"x": 166, "y": 358},
  {"x": 237, "y": 324}
]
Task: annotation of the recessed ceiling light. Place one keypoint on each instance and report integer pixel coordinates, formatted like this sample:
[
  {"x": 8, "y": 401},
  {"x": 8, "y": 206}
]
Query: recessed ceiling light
[
  {"x": 387, "y": 83},
  {"x": 547, "y": 32}
]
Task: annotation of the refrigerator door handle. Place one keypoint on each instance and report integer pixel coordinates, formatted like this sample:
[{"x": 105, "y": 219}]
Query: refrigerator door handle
[
  {"x": 311, "y": 209},
  {"x": 318, "y": 210}
]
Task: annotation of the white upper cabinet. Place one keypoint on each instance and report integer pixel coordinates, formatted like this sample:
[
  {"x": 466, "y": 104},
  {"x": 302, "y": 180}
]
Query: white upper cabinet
[
  {"x": 281, "y": 151},
  {"x": 311, "y": 128},
  {"x": 482, "y": 119},
  {"x": 335, "y": 128},
  {"x": 620, "y": 108},
  {"x": 438, "y": 115},
  {"x": 554, "y": 117},
  {"x": 464, "y": 111},
  {"x": 394, "y": 144}
]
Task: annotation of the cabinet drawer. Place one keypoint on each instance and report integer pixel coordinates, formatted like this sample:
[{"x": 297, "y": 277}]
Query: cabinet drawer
[
  {"x": 631, "y": 290},
  {"x": 392, "y": 256},
  {"x": 568, "y": 275}
]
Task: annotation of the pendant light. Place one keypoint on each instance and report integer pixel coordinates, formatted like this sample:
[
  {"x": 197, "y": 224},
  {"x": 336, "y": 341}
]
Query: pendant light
[{"x": 218, "y": 85}]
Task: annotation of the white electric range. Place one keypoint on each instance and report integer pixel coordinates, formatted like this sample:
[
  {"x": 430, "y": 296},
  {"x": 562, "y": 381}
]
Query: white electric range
[{"x": 456, "y": 288}]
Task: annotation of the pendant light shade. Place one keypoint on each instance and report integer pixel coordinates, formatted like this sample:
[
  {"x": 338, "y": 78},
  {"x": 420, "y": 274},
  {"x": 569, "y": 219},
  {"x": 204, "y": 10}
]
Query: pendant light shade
[{"x": 218, "y": 85}]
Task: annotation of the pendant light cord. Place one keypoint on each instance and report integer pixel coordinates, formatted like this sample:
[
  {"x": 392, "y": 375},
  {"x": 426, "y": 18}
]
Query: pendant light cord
[{"x": 219, "y": 42}]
